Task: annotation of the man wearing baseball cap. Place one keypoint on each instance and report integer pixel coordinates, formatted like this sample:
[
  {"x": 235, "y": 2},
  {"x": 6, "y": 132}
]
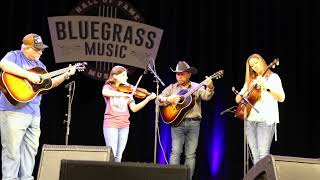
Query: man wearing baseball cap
[
  {"x": 34, "y": 40},
  {"x": 20, "y": 123},
  {"x": 186, "y": 133}
]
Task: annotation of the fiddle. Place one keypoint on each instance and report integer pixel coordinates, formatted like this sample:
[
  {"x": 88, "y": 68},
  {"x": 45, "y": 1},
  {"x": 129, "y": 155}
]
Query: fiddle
[
  {"x": 253, "y": 95},
  {"x": 140, "y": 93}
]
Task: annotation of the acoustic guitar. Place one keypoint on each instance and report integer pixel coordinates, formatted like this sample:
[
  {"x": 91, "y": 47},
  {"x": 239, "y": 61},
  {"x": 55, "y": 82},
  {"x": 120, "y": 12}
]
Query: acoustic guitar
[
  {"x": 20, "y": 90},
  {"x": 173, "y": 114}
]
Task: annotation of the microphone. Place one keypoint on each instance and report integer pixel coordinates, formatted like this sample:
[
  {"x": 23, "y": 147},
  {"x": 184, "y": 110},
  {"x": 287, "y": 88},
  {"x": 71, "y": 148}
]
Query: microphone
[
  {"x": 150, "y": 62},
  {"x": 146, "y": 69},
  {"x": 235, "y": 91},
  {"x": 228, "y": 110}
]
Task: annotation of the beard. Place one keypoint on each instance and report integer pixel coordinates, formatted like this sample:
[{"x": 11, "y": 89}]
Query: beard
[{"x": 36, "y": 57}]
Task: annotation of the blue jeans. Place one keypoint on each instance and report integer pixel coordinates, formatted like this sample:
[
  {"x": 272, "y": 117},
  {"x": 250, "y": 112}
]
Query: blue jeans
[
  {"x": 20, "y": 134},
  {"x": 259, "y": 135},
  {"x": 116, "y": 138},
  {"x": 186, "y": 134}
]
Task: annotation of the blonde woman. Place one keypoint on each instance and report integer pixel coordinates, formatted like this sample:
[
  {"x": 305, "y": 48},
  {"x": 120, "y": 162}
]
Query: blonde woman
[{"x": 261, "y": 124}]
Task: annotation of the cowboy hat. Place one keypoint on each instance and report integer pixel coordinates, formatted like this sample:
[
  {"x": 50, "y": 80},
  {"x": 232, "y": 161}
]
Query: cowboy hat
[{"x": 183, "y": 66}]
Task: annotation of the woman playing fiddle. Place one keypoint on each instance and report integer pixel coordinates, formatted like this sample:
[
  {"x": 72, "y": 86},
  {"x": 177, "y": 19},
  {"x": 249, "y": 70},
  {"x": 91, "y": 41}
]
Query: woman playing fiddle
[
  {"x": 116, "y": 117},
  {"x": 261, "y": 124}
]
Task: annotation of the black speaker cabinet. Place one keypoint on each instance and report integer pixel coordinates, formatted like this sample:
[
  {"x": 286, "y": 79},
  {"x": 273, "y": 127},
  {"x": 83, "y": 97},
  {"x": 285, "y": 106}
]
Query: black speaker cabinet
[
  {"x": 284, "y": 168},
  {"x": 51, "y": 156},
  {"x": 97, "y": 170}
]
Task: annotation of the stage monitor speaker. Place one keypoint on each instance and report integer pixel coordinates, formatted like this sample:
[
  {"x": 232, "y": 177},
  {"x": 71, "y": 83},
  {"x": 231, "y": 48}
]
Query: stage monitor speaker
[
  {"x": 284, "y": 168},
  {"x": 51, "y": 156},
  {"x": 84, "y": 170}
]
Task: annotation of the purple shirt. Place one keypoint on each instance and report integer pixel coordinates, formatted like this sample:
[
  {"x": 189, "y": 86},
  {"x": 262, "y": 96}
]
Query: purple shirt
[{"x": 32, "y": 107}]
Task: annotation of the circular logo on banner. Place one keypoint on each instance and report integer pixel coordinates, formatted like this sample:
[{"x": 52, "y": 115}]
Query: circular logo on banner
[{"x": 106, "y": 8}]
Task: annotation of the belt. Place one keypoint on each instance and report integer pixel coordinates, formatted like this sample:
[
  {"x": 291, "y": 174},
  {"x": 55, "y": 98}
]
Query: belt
[{"x": 192, "y": 119}]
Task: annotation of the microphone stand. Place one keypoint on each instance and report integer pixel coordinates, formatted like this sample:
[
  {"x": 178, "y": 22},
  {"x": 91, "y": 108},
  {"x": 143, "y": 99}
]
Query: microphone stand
[
  {"x": 157, "y": 108},
  {"x": 244, "y": 102},
  {"x": 70, "y": 87},
  {"x": 231, "y": 110}
]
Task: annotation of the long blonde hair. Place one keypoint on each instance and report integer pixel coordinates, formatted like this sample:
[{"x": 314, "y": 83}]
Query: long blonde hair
[
  {"x": 115, "y": 71},
  {"x": 250, "y": 73}
]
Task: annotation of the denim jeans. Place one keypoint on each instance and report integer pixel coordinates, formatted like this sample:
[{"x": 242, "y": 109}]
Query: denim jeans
[
  {"x": 186, "y": 134},
  {"x": 259, "y": 135},
  {"x": 20, "y": 134},
  {"x": 116, "y": 138}
]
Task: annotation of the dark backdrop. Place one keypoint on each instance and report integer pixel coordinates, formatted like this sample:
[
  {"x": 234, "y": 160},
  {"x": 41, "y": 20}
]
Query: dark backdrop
[{"x": 210, "y": 35}]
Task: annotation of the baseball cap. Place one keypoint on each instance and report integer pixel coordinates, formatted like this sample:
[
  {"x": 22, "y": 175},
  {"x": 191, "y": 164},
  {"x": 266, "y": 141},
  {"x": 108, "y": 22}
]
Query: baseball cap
[{"x": 34, "y": 40}]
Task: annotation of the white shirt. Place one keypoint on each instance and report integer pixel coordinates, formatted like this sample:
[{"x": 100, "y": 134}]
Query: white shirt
[{"x": 267, "y": 105}]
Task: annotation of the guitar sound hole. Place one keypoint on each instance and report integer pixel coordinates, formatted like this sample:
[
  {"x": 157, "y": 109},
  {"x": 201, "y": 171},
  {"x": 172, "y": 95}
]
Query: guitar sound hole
[{"x": 182, "y": 100}]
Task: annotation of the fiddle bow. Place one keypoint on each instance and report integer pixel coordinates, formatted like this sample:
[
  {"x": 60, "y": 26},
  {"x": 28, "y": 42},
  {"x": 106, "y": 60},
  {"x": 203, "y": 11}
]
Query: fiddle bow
[{"x": 135, "y": 87}]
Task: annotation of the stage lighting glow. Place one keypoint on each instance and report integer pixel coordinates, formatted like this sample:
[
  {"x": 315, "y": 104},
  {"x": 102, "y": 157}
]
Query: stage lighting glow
[{"x": 216, "y": 150}]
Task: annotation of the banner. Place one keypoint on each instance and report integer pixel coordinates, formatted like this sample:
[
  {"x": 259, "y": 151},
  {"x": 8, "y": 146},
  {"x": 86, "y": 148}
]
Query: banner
[{"x": 105, "y": 39}]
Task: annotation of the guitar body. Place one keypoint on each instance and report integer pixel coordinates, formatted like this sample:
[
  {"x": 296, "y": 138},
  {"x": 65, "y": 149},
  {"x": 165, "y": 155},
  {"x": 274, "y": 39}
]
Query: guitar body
[
  {"x": 253, "y": 97},
  {"x": 174, "y": 114},
  {"x": 20, "y": 90}
]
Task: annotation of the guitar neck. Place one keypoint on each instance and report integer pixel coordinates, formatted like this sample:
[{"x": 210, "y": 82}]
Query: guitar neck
[
  {"x": 213, "y": 76},
  {"x": 55, "y": 73},
  {"x": 193, "y": 89}
]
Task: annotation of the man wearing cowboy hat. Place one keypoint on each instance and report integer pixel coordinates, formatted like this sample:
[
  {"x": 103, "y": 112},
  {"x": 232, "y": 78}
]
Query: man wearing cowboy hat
[{"x": 187, "y": 133}]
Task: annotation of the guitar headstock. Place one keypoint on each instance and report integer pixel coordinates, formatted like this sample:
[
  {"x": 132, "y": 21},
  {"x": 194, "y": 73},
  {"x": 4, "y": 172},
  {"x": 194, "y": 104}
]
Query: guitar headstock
[
  {"x": 81, "y": 66},
  {"x": 217, "y": 75}
]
